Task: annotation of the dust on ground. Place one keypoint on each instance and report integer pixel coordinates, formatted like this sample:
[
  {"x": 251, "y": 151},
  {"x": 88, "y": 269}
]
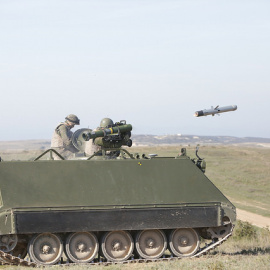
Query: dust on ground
[{"x": 254, "y": 219}]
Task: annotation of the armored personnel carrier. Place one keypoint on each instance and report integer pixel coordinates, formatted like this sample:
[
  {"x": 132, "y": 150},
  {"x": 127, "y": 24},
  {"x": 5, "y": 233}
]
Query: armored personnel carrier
[{"x": 112, "y": 206}]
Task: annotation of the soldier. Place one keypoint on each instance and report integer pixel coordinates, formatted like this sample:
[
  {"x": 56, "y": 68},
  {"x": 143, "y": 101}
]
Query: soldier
[
  {"x": 106, "y": 122},
  {"x": 61, "y": 139},
  {"x": 90, "y": 147}
]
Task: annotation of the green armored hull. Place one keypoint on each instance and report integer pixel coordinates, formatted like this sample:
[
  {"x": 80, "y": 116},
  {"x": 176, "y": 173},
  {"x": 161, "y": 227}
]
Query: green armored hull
[{"x": 129, "y": 207}]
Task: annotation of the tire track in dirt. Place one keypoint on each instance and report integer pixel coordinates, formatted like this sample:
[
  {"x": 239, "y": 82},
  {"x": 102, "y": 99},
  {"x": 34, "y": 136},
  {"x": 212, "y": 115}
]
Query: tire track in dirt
[{"x": 254, "y": 219}]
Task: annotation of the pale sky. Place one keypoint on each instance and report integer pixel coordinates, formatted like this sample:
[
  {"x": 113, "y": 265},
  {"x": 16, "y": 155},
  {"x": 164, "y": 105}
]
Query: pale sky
[{"x": 150, "y": 62}]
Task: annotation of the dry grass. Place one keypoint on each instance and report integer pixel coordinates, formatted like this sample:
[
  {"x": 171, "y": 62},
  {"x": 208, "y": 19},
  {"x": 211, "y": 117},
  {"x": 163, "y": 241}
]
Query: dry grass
[
  {"x": 243, "y": 174},
  {"x": 208, "y": 262},
  {"x": 14, "y": 155}
]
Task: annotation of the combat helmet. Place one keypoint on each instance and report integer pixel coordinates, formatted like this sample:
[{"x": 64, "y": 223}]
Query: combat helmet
[
  {"x": 73, "y": 119},
  {"x": 105, "y": 122}
]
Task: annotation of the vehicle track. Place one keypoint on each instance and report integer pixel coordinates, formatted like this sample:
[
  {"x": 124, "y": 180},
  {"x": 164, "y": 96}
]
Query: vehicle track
[{"x": 8, "y": 259}]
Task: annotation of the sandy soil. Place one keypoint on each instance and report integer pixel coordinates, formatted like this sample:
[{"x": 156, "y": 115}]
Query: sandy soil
[{"x": 254, "y": 219}]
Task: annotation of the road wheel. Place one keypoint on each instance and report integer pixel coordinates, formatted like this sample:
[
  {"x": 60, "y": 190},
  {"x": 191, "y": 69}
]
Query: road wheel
[
  {"x": 151, "y": 244},
  {"x": 45, "y": 248},
  {"x": 8, "y": 242},
  {"x": 117, "y": 246},
  {"x": 81, "y": 247},
  {"x": 184, "y": 242}
]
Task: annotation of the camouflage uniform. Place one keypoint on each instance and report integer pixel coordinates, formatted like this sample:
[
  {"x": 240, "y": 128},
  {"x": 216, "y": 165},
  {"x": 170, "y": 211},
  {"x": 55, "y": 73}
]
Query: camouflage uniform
[
  {"x": 90, "y": 146},
  {"x": 61, "y": 141}
]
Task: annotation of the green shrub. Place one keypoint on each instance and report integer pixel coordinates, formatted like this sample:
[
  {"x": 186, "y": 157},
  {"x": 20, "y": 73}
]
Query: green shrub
[{"x": 243, "y": 230}]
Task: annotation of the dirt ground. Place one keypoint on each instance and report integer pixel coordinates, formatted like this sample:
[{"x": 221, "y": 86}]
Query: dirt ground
[{"x": 254, "y": 219}]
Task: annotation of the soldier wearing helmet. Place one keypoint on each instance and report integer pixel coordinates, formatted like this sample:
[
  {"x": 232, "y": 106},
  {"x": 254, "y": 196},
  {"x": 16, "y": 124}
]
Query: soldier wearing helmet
[
  {"x": 90, "y": 146},
  {"x": 106, "y": 122},
  {"x": 61, "y": 139}
]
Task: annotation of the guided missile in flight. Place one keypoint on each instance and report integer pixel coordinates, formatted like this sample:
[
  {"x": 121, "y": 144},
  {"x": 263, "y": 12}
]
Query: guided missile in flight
[{"x": 216, "y": 110}]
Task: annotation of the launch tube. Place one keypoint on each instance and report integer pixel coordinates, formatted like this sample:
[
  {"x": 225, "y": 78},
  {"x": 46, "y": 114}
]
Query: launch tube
[{"x": 106, "y": 131}]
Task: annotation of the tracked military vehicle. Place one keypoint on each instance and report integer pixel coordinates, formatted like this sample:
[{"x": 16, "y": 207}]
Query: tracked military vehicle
[{"x": 112, "y": 206}]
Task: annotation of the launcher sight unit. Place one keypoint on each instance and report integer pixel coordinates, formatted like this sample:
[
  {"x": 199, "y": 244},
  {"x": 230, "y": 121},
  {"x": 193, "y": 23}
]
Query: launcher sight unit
[{"x": 113, "y": 136}]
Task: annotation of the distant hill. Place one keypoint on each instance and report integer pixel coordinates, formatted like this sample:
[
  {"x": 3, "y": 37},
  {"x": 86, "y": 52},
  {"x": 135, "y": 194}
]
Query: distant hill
[
  {"x": 150, "y": 140},
  {"x": 195, "y": 139}
]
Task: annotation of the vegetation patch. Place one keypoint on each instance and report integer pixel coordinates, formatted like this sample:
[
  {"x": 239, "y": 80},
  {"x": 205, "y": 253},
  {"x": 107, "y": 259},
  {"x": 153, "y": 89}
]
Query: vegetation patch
[
  {"x": 244, "y": 230},
  {"x": 217, "y": 265}
]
